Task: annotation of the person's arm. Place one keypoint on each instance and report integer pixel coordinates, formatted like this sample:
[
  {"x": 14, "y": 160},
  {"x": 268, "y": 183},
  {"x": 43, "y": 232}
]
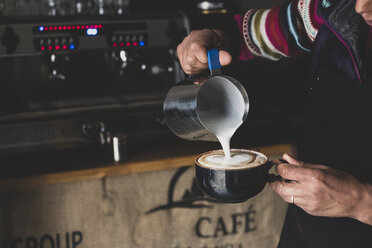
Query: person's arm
[
  {"x": 282, "y": 31},
  {"x": 322, "y": 191}
]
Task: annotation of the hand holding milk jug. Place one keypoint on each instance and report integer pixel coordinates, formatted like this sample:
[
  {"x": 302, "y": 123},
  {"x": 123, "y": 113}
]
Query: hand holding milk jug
[
  {"x": 207, "y": 108},
  {"x": 212, "y": 108}
]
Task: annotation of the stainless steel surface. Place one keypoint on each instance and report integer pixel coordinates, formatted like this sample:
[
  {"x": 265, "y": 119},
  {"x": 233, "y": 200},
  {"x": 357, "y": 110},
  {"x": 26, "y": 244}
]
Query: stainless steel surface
[
  {"x": 210, "y": 5},
  {"x": 63, "y": 7},
  {"x": 182, "y": 106}
]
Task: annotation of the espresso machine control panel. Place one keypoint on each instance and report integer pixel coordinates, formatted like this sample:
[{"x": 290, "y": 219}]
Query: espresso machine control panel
[{"x": 38, "y": 36}]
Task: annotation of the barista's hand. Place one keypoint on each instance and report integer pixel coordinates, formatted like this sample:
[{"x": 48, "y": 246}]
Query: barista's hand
[
  {"x": 192, "y": 52},
  {"x": 322, "y": 191}
]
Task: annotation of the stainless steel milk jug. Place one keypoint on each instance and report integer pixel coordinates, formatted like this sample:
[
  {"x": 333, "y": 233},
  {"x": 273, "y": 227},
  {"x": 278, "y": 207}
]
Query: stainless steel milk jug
[{"x": 193, "y": 107}]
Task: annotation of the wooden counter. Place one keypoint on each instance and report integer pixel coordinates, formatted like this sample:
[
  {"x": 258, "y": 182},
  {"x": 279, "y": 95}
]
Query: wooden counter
[
  {"x": 156, "y": 158},
  {"x": 150, "y": 200}
]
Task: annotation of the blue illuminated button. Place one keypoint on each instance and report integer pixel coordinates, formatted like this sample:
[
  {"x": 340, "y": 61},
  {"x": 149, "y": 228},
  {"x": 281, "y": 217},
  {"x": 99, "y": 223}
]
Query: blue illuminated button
[
  {"x": 92, "y": 31},
  {"x": 41, "y": 29},
  {"x": 142, "y": 43},
  {"x": 72, "y": 46}
]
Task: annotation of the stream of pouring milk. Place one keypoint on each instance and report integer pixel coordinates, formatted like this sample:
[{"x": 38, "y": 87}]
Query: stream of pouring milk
[
  {"x": 224, "y": 137},
  {"x": 230, "y": 120},
  {"x": 226, "y": 114}
]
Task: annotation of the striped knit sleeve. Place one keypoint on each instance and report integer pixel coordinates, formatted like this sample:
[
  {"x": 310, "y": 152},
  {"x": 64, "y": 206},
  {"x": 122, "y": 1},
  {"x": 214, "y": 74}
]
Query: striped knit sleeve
[{"x": 283, "y": 31}]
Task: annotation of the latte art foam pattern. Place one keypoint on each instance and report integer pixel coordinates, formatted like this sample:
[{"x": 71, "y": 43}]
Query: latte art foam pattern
[
  {"x": 240, "y": 159},
  {"x": 234, "y": 159}
]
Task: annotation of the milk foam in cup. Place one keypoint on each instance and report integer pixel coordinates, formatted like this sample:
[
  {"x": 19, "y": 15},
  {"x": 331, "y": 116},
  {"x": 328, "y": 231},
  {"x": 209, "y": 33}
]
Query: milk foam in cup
[{"x": 240, "y": 159}]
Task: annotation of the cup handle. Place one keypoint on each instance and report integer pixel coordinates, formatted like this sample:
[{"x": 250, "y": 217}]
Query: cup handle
[
  {"x": 214, "y": 61},
  {"x": 273, "y": 178}
]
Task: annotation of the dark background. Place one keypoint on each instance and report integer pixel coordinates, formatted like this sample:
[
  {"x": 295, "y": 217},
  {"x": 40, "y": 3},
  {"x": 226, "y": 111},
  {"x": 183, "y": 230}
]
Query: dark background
[
  {"x": 40, "y": 7},
  {"x": 274, "y": 84}
]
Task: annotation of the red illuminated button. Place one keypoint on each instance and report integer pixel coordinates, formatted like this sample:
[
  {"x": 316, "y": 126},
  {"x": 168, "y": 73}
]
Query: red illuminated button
[{"x": 42, "y": 48}]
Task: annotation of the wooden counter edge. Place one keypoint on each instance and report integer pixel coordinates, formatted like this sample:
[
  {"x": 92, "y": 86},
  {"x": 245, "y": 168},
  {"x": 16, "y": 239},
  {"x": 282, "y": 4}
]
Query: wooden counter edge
[{"x": 123, "y": 169}]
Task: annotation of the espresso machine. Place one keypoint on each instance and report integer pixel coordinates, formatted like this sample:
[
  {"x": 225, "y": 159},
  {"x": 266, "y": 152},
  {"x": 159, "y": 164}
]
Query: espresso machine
[{"x": 85, "y": 75}]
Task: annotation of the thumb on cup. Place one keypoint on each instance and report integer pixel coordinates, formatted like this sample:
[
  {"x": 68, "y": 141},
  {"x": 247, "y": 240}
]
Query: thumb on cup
[{"x": 292, "y": 160}]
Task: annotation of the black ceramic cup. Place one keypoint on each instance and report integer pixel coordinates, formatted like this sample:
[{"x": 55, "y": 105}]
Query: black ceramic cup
[{"x": 234, "y": 183}]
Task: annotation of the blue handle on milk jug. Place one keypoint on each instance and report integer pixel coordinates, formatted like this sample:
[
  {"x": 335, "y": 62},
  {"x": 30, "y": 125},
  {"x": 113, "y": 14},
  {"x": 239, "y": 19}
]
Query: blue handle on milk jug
[{"x": 214, "y": 61}]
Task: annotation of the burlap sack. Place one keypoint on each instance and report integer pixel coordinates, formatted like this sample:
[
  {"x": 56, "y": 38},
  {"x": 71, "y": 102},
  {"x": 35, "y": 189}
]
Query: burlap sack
[{"x": 162, "y": 209}]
